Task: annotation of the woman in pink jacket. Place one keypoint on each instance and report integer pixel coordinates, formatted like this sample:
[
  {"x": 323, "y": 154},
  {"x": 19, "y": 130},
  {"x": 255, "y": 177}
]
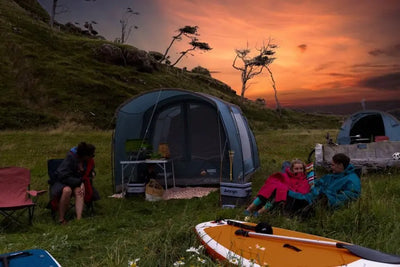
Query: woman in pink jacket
[{"x": 277, "y": 185}]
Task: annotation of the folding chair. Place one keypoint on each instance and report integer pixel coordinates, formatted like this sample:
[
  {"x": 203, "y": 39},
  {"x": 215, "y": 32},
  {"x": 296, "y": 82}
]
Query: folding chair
[
  {"x": 15, "y": 194},
  {"x": 52, "y": 165}
]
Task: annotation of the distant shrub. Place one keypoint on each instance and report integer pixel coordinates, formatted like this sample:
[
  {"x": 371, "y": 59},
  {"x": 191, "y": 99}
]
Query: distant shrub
[
  {"x": 261, "y": 102},
  {"x": 201, "y": 70},
  {"x": 155, "y": 55}
]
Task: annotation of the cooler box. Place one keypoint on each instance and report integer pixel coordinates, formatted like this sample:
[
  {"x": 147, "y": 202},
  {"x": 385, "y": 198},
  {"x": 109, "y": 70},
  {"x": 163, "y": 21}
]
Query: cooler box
[
  {"x": 133, "y": 189},
  {"x": 235, "y": 195}
]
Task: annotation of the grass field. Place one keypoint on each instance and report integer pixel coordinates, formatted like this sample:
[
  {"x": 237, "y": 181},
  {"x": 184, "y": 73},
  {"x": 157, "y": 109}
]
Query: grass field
[{"x": 159, "y": 233}]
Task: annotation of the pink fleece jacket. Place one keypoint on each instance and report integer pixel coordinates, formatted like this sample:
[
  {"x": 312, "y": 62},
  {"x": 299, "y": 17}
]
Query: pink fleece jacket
[{"x": 282, "y": 182}]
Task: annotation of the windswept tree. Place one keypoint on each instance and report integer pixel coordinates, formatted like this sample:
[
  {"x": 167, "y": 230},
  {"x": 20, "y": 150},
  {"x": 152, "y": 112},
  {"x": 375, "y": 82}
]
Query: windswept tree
[
  {"x": 195, "y": 44},
  {"x": 191, "y": 33},
  {"x": 126, "y": 27},
  {"x": 253, "y": 65},
  {"x": 56, "y": 9},
  {"x": 89, "y": 26}
]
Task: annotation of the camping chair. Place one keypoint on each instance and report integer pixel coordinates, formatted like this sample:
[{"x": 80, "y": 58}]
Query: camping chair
[
  {"x": 15, "y": 194},
  {"x": 52, "y": 165}
]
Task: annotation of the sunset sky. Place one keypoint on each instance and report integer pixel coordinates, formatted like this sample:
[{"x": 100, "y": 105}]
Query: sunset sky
[{"x": 329, "y": 52}]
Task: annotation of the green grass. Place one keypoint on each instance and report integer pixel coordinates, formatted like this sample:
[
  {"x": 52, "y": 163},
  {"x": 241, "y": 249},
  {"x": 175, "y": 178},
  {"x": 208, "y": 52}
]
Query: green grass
[
  {"x": 51, "y": 78},
  {"x": 159, "y": 233}
]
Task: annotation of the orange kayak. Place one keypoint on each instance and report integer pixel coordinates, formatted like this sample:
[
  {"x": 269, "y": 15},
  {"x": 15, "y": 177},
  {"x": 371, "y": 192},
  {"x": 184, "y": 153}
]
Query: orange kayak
[{"x": 239, "y": 243}]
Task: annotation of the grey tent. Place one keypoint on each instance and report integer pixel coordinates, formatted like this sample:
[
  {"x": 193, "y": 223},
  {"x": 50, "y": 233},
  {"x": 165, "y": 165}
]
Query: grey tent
[
  {"x": 367, "y": 125},
  {"x": 200, "y": 131}
]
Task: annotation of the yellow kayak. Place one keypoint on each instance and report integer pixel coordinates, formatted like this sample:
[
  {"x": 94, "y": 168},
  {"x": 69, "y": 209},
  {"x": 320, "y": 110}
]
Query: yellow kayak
[{"x": 244, "y": 244}]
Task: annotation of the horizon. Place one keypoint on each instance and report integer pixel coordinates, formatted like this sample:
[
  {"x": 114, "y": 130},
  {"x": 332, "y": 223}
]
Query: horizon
[{"x": 329, "y": 52}]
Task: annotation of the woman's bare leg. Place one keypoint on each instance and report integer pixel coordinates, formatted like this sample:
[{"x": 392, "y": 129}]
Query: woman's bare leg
[
  {"x": 79, "y": 201},
  {"x": 251, "y": 207},
  {"x": 64, "y": 202}
]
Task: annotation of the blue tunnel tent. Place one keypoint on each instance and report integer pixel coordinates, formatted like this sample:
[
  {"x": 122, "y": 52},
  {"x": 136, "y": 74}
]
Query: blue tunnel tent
[
  {"x": 365, "y": 126},
  {"x": 200, "y": 130}
]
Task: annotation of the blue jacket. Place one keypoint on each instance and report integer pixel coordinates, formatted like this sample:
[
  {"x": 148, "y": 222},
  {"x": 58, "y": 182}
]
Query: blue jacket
[{"x": 338, "y": 187}]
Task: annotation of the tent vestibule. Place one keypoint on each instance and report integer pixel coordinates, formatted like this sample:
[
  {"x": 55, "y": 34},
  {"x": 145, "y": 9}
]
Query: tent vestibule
[
  {"x": 365, "y": 126},
  {"x": 208, "y": 140}
]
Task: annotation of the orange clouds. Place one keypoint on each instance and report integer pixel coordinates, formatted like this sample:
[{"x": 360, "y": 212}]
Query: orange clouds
[{"x": 328, "y": 50}]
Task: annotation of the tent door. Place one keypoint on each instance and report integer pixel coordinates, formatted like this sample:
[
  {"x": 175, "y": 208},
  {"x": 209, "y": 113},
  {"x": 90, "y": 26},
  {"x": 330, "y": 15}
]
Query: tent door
[
  {"x": 194, "y": 136},
  {"x": 366, "y": 128}
]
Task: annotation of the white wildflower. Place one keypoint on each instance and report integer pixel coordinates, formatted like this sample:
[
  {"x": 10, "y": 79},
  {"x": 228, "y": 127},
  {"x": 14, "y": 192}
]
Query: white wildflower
[
  {"x": 194, "y": 250},
  {"x": 260, "y": 247},
  {"x": 133, "y": 263},
  {"x": 179, "y": 263},
  {"x": 234, "y": 260},
  {"x": 201, "y": 260}
]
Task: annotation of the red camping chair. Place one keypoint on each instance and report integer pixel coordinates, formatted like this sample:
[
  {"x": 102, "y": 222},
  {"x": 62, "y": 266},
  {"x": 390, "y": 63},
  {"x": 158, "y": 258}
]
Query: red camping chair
[{"x": 15, "y": 194}]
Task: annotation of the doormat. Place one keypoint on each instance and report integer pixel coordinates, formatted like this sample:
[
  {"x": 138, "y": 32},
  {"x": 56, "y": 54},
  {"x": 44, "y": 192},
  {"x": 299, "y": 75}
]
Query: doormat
[{"x": 187, "y": 192}]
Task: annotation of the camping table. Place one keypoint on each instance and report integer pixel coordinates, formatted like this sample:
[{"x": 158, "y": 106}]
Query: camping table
[{"x": 162, "y": 163}]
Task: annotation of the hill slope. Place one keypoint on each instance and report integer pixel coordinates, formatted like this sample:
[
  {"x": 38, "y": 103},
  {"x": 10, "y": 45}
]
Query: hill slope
[{"x": 49, "y": 77}]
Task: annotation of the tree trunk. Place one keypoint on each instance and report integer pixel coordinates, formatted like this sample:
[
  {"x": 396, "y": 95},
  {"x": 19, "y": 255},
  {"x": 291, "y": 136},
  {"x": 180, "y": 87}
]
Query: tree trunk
[
  {"x": 123, "y": 29},
  {"x": 244, "y": 83},
  {"x": 53, "y": 13},
  {"x": 172, "y": 42},
  {"x": 278, "y": 105},
  {"x": 182, "y": 54}
]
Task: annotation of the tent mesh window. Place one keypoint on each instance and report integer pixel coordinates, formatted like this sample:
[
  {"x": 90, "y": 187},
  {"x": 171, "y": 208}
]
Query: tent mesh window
[{"x": 194, "y": 136}]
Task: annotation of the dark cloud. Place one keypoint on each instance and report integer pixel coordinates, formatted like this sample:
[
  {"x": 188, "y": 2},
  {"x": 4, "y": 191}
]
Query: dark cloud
[
  {"x": 335, "y": 74},
  {"x": 390, "y": 82},
  {"x": 325, "y": 66},
  {"x": 376, "y": 52},
  {"x": 302, "y": 47},
  {"x": 392, "y": 51}
]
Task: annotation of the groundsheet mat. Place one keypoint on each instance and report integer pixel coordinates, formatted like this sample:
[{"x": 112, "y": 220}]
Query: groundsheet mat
[{"x": 187, "y": 192}]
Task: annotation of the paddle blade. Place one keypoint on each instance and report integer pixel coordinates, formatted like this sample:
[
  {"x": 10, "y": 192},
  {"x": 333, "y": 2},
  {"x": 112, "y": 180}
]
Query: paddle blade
[{"x": 370, "y": 254}]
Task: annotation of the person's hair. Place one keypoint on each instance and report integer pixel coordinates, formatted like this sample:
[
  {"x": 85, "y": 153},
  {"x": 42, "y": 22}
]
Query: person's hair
[
  {"x": 297, "y": 161},
  {"x": 85, "y": 149},
  {"x": 341, "y": 158}
]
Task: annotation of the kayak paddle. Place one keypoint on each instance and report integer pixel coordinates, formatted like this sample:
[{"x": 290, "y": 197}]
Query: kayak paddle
[{"x": 362, "y": 252}]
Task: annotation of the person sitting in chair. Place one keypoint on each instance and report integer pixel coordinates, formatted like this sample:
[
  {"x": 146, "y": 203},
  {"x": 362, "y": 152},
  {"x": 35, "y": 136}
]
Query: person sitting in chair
[
  {"x": 342, "y": 185},
  {"x": 73, "y": 177}
]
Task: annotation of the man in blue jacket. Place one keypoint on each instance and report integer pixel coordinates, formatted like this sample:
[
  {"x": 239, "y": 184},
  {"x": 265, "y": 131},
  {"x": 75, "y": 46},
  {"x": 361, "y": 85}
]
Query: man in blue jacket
[{"x": 342, "y": 185}]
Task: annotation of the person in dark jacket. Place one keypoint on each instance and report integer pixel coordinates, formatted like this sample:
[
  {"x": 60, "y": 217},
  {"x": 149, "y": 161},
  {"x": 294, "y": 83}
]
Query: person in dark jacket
[{"x": 72, "y": 175}]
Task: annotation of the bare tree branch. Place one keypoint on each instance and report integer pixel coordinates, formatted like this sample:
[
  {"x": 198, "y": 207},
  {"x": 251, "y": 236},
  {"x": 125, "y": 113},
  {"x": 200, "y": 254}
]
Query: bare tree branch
[
  {"x": 251, "y": 66},
  {"x": 124, "y": 21}
]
